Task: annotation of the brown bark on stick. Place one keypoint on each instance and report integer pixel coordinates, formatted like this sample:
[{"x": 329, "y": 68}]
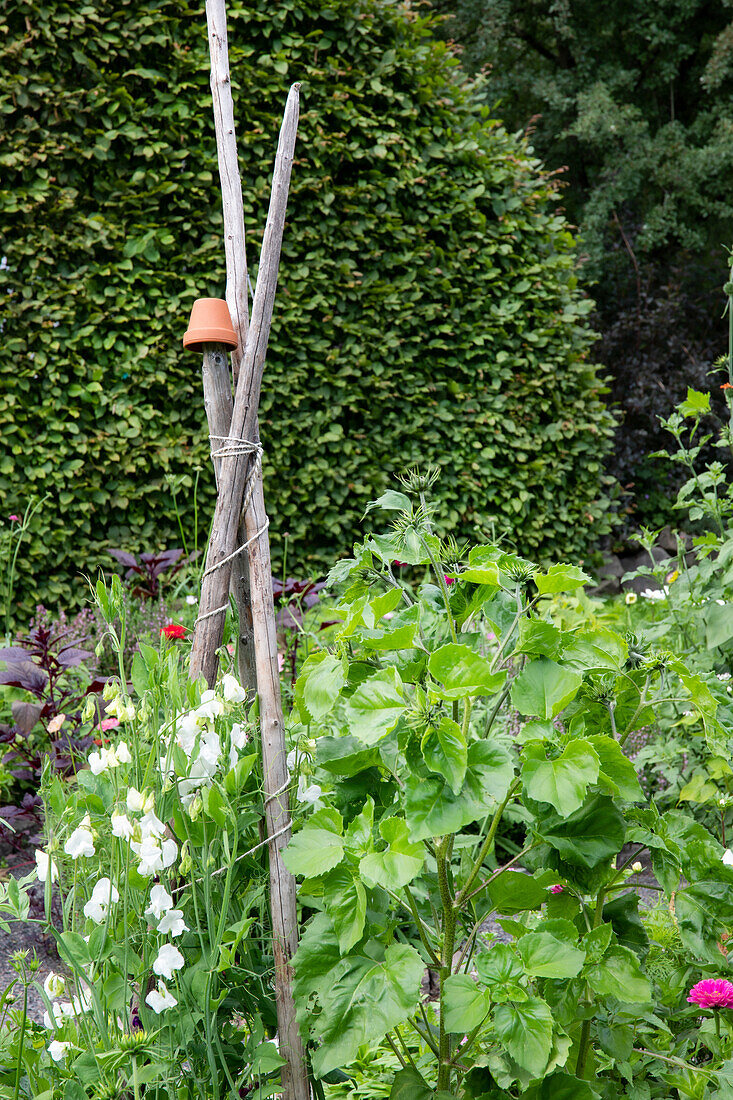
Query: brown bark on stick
[
  {"x": 237, "y": 300},
  {"x": 235, "y": 468},
  {"x": 218, "y": 403},
  {"x": 232, "y": 480},
  {"x": 277, "y": 812}
]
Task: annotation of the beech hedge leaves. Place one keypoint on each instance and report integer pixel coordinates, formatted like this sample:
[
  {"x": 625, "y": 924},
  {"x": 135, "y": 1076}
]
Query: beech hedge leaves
[{"x": 427, "y": 309}]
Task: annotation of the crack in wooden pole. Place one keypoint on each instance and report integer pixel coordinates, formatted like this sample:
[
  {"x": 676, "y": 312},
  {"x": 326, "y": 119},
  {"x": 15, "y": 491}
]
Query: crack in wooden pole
[{"x": 237, "y": 474}]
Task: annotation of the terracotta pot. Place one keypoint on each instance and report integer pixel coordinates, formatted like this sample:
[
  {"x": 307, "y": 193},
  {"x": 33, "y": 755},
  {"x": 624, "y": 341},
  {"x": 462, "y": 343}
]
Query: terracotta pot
[{"x": 210, "y": 323}]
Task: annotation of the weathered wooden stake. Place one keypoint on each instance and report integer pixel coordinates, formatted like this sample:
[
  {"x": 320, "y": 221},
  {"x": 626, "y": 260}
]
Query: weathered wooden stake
[
  {"x": 240, "y": 423},
  {"x": 217, "y": 384},
  {"x": 235, "y": 468},
  {"x": 218, "y": 403}
]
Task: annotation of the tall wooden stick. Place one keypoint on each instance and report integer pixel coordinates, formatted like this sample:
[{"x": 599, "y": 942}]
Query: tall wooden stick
[
  {"x": 217, "y": 384},
  {"x": 283, "y": 901},
  {"x": 218, "y": 402},
  {"x": 231, "y": 480},
  {"x": 234, "y": 468}
]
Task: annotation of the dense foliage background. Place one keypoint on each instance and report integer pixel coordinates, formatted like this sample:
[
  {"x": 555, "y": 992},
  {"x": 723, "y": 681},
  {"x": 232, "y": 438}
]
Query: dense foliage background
[
  {"x": 633, "y": 101},
  {"x": 427, "y": 311}
]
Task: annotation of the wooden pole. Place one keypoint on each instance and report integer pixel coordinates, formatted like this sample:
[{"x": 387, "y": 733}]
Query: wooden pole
[
  {"x": 218, "y": 402},
  {"x": 283, "y": 899},
  {"x": 217, "y": 384},
  {"x": 236, "y": 467},
  {"x": 235, "y": 475}
]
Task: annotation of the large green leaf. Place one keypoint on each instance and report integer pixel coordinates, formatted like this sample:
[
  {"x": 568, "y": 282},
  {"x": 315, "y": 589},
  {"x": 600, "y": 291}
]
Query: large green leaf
[
  {"x": 317, "y": 847},
  {"x": 525, "y": 1029},
  {"x": 463, "y": 672},
  {"x": 617, "y": 771},
  {"x": 362, "y": 1000},
  {"x": 445, "y": 751},
  {"x": 464, "y": 1004},
  {"x": 409, "y": 1085},
  {"x": 544, "y": 688},
  {"x": 718, "y": 624},
  {"x": 546, "y": 956},
  {"x": 619, "y": 975},
  {"x": 562, "y": 781},
  {"x": 344, "y": 755},
  {"x": 431, "y": 807},
  {"x": 561, "y": 1086},
  {"x": 314, "y": 961},
  {"x": 345, "y": 900},
  {"x": 560, "y": 578},
  {"x": 704, "y": 910},
  {"x": 319, "y": 685},
  {"x": 399, "y": 863},
  {"x": 376, "y": 706},
  {"x": 515, "y": 892},
  {"x": 592, "y": 834}
]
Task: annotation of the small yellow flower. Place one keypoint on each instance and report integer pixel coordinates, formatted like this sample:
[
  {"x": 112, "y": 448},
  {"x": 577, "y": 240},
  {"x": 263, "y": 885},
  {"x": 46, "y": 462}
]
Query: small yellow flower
[
  {"x": 631, "y": 597},
  {"x": 672, "y": 577}
]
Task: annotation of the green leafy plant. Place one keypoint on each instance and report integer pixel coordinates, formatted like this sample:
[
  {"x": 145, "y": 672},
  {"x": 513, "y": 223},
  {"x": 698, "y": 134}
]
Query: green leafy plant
[
  {"x": 401, "y": 721},
  {"x": 164, "y": 937},
  {"x": 428, "y": 304}
]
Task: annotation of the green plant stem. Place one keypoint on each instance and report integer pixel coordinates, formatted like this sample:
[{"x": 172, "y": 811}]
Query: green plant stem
[
  {"x": 438, "y": 570},
  {"x": 21, "y": 1037},
  {"x": 421, "y": 927},
  {"x": 391, "y": 1042},
  {"x": 404, "y": 1046},
  {"x": 673, "y": 1061},
  {"x": 496, "y": 708},
  {"x": 584, "y": 1041},
  {"x": 135, "y": 1082},
  {"x": 642, "y": 703},
  {"x": 449, "y": 940},
  {"x": 484, "y": 850}
]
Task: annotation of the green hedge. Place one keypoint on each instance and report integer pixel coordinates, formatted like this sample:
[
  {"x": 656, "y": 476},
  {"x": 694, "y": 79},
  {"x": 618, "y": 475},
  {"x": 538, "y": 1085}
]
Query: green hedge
[{"x": 427, "y": 309}]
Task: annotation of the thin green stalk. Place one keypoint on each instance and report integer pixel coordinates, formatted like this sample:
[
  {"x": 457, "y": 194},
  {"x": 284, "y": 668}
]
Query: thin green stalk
[
  {"x": 21, "y": 1038},
  {"x": 421, "y": 927},
  {"x": 449, "y": 941},
  {"x": 484, "y": 850},
  {"x": 584, "y": 1041}
]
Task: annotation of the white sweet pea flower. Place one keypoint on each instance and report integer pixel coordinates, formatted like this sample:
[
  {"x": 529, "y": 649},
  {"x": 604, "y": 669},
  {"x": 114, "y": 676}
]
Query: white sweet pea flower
[
  {"x": 57, "y": 1050},
  {"x": 56, "y": 1016},
  {"x": 192, "y": 600},
  {"x": 233, "y": 690},
  {"x": 82, "y": 1003},
  {"x": 724, "y": 676},
  {"x": 123, "y": 753},
  {"x": 104, "y": 894},
  {"x": 169, "y": 852},
  {"x": 187, "y": 730},
  {"x": 309, "y": 793},
  {"x": 81, "y": 841},
  {"x": 210, "y": 707},
  {"x": 150, "y": 825},
  {"x": 159, "y": 999},
  {"x": 101, "y": 761},
  {"x": 168, "y": 960},
  {"x": 122, "y": 826},
  {"x": 54, "y": 985},
  {"x": 138, "y": 801},
  {"x": 172, "y": 923},
  {"x": 44, "y": 864},
  {"x": 238, "y": 735},
  {"x": 160, "y": 902},
  {"x": 727, "y": 857},
  {"x": 150, "y": 855}
]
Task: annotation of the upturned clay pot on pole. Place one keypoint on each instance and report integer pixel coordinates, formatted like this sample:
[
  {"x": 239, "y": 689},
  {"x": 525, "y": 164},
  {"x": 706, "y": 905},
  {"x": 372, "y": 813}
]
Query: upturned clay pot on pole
[{"x": 211, "y": 331}]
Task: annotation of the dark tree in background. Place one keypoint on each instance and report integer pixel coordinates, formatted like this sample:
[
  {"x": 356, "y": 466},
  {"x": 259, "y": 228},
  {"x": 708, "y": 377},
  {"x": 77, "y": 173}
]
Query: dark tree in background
[{"x": 633, "y": 101}]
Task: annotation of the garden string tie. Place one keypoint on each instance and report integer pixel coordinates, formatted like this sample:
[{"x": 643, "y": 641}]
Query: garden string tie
[{"x": 231, "y": 448}]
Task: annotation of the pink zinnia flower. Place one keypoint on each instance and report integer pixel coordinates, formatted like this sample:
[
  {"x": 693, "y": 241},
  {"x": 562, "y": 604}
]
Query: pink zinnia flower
[
  {"x": 712, "y": 993},
  {"x": 108, "y": 723},
  {"x": 449, "y": 580},
  {"x": 556, "y": 889},
  {"x": 14, "y": 519},
  {"x": 399, "y": 564}
]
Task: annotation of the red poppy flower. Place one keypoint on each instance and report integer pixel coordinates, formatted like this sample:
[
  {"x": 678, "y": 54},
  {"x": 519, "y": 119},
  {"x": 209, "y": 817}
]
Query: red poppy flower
[{"x": 173, "y": 630}]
